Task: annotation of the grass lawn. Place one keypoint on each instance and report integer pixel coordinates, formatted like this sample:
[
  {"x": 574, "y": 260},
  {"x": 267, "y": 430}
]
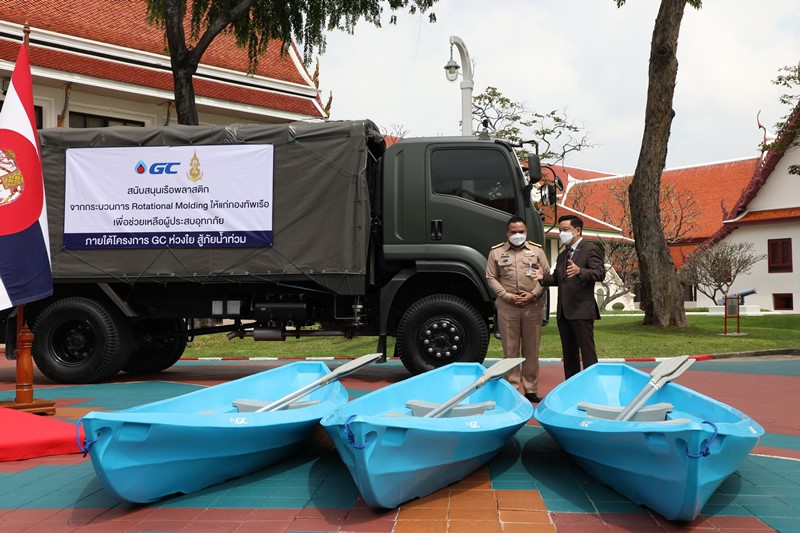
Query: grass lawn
[{"x": 615, "y": 335}]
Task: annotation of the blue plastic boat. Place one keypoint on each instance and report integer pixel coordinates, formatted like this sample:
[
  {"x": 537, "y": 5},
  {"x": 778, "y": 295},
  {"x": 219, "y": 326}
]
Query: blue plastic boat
[
  {"x": 190, "y": 442},
  {"x": 395, "y": 454},
  {"x": 670, "y": 458}
]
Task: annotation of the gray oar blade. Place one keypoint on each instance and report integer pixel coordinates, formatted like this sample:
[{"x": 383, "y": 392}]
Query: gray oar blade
[
  {"x": 497, "y": 370},
  {"x": 663, "y": 368},
  {"x": 651, "y": 388},
  {"x": 677, "y": 371},
  {"x": 339, "y": 372},
  {"x": 667, "y": 367},
  {"x": 351, "y": 366},
  {"x": 501, "y": 368}
]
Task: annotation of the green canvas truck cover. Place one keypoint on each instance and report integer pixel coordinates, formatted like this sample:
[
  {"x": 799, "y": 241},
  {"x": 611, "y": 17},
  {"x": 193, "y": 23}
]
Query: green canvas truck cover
[{"x": 319, "y": 201}]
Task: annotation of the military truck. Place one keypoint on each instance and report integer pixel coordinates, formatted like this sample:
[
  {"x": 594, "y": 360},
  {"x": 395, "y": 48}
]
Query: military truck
[{"x": 300, "y": 229}]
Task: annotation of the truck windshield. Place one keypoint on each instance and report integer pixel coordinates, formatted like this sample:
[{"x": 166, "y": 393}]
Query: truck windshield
[{"x": 479, "y": 175}]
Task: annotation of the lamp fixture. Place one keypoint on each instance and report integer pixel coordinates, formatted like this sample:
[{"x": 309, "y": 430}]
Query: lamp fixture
[{"x": 451, "y": 68}]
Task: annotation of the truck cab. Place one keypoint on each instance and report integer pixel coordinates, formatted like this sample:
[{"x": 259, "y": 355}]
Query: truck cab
[{"x": 446, "y": 202}]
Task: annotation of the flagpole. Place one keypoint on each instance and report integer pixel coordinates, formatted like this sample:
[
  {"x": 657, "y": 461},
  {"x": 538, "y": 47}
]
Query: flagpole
[
  {"x": 24, "y": 400},
  {"x": 24, "y": 360}
]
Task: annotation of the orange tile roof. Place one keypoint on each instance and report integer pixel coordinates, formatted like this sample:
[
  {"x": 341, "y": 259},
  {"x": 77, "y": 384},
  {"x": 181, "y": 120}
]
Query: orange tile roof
[
  {"x": 711, "y": 186},
  {"x": 161, "y": 80},
  {"x": 122, "y": 23},
  {"x": 680, "y": 253},
  {"x": 589, "y": 222},
  {"x": 594, "y": 230},
  {"x": 787, "y": 214},
  {"x": 564, "y": 173}
]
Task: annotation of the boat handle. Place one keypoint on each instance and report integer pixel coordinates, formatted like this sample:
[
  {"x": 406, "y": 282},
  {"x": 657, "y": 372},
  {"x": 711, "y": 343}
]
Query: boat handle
[
  {"x": 706, "y": 451},
  {"x": 349, "y": 433},
  {"x": 86, "y": 445}
]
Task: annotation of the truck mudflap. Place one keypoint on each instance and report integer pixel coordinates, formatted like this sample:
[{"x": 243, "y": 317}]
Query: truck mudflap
[
  {"x": 158, "y": 344},
  {"x": 10, "y": 331}
]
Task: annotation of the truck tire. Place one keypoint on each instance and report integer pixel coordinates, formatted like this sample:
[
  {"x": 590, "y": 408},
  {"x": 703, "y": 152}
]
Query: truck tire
[
  {"x": 153, "y": 354},
  {"x": 78, "y": 340},
  {"x": 440, "y": 329}
]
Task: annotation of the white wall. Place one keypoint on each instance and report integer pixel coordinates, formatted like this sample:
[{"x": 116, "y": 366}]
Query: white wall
[
  {"x": 781, "y": 189},
  {"x": 765, "y": 283},
  {"x": 52, "y": 101},
  {"x": 152, "y": 111}
]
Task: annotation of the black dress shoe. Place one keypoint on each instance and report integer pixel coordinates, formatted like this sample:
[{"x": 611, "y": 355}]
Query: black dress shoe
[{"x": 533, "y": 397}]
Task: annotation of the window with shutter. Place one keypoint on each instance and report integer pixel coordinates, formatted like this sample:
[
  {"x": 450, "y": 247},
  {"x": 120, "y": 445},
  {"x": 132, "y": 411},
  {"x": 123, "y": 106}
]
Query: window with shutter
[{"x": 779, "y": 255}]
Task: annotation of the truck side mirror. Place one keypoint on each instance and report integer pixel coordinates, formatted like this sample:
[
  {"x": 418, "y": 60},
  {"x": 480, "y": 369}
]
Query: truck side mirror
[
  {"x": 547, "y": 195},
  {"x": 534, "y": 167},
  {"x": 526, "y": 194}
]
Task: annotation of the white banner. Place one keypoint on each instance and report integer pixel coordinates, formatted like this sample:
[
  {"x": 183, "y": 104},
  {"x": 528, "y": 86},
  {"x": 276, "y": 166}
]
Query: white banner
[{"x": 217, "y": 196}]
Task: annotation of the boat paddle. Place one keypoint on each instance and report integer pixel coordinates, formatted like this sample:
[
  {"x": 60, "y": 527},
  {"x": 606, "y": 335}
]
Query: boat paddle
[
  {"x": 497, "y": 370},
  {"x": 661, "y": 375},
  {"x": 336, "y": 374},
  {"x": 663, "y": 368}
]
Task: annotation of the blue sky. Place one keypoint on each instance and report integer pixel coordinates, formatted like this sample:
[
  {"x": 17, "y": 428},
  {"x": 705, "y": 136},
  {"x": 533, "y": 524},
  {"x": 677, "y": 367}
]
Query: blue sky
[{"x": 584, "y": 56}]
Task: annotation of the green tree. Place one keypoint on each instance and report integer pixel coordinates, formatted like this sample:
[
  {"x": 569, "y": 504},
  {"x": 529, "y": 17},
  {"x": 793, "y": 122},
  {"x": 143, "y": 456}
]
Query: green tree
[
  {"x": 679, "y": 212},
  {"x": 788, "y": 126},
  {"x": 662, "y": 293},
  {"x": 714, "y": 269},
  {"x": 555, "y": 132},
  {"x": 254, "y": 23}
]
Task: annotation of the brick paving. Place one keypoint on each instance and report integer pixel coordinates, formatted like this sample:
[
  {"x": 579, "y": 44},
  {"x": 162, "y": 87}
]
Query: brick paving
[{"x": 530, "y": 486}]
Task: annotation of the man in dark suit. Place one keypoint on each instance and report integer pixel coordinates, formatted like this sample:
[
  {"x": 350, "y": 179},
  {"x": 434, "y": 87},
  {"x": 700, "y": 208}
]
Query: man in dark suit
[{"x": 578, "y": 267}]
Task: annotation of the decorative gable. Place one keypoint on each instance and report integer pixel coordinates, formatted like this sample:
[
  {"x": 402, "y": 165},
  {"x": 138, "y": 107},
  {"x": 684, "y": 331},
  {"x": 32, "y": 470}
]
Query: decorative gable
[{"x": 763, "y": 198}]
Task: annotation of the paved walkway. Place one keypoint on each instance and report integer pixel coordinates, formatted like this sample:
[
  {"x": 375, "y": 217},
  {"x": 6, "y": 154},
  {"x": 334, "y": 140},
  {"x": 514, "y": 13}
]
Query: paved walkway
[{"x": 530, "y": 486}]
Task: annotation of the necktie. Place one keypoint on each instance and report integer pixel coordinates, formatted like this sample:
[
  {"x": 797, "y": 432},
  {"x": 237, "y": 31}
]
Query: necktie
[{"x": 569, "y": 253}]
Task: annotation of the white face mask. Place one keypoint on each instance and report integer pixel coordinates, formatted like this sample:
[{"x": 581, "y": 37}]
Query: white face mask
[
  {"x": 517, "y": 239},
  {"x": 566, "y": 237}
]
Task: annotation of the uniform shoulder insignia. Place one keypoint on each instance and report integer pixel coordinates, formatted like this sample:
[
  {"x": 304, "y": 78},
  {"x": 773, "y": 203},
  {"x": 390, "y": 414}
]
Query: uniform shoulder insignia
[
  {"x": 535, "y": 244},
  {"x": 498, "y": 245}
]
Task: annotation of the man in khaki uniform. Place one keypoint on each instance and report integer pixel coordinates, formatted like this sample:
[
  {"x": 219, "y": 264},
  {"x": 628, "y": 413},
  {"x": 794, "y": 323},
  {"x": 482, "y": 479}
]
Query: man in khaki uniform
[{"x": 510, "y": 273}]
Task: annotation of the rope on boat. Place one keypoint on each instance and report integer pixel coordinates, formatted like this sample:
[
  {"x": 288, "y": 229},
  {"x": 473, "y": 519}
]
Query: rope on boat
[
  {"x": 86, "y": 445},
  {"x": 706, "y": 451},
  {"x": 350, "y": 437}
]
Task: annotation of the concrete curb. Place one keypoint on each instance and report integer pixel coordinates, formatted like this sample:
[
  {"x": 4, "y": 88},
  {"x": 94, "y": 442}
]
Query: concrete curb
[{"x": 704, "y": 357}]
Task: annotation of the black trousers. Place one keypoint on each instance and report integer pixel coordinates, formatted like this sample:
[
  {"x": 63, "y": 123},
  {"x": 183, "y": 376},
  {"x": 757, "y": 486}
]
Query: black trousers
[{"x": 577, "y": 342}]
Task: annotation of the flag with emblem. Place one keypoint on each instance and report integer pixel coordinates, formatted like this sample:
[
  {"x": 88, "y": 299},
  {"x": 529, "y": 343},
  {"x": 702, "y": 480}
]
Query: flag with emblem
[{"x": 25, "y": 274}]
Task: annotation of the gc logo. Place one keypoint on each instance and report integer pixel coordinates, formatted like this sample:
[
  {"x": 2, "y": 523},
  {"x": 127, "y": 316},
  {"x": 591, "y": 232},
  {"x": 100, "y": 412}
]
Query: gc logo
[{"x": 157, "y": 168}]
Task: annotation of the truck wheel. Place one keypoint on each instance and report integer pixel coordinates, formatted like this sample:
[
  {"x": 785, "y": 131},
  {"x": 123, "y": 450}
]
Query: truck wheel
[
  {"x": 153, "y": 354},
  {"x": 78, "y": 340},
  {"x": 440, "y": 329}
]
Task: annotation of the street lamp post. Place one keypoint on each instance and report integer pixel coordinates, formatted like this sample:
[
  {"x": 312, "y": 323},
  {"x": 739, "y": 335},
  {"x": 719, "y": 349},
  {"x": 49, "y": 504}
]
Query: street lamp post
[{"x": 451, "y": 69}]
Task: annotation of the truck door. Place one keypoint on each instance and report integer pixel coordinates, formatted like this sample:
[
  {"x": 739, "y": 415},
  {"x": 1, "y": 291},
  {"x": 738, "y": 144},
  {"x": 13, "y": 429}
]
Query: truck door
[{"x": 472, "y": 197}]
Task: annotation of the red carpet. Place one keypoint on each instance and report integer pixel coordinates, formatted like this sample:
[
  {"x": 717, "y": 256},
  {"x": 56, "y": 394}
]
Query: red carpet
[{"x": 25, "y": 435}]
